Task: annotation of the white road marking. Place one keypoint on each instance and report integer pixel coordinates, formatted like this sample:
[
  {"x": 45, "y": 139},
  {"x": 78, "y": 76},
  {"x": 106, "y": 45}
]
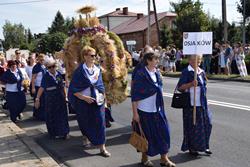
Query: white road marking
[{"x": 220, "y": 103}]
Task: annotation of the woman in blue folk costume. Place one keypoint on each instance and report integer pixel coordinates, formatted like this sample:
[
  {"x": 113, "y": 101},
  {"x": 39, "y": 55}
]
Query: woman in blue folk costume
[
  {"x": 148, "y": 110},
  {"x": 196, "y": 137},
  {"x": 37, "y": 74},
  {"x": 86, "y": 95},
  {"x": 15, "y": 95},
  {"x": 53, "y": 88}
]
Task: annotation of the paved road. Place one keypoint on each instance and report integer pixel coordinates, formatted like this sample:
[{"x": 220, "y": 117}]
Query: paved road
[{"x": 230, "y": 140}]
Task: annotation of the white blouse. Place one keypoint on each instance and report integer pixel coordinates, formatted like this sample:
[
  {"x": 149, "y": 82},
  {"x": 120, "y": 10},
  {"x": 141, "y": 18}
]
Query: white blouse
[
  {"x": 93, "y": 74},
  {"x": 149, "y": 104},
  {"x": 13, "y": 87},
  {"x": 198, "y": 89}
]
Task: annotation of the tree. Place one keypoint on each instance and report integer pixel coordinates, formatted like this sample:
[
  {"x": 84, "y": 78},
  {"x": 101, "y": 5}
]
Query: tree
[
  {"x": 234, "y": 33},
  {"x": 248, "y": 33},
  {"x": 166, "y": 36},
  {"x": 240, "y": 7},
  {"x": 190, "y": 17},
  {"x": 14, "y": 35},
  {"x": 56, "y": 41},
  {"x": 29, "y": 36},
  {"x": 51, "y": 42},
  {"x": 69, "y": 24},
  {"x": 216, "y": 27},
  {"x": 57, "y": 24}
]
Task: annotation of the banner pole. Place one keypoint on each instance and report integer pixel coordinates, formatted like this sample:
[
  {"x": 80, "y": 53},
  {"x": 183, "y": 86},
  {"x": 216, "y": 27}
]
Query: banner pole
[{"x": 195, "y": 79}]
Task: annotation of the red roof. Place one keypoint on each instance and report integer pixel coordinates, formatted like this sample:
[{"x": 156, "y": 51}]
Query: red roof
[
  {"x": 135, "y": 25},
  {"x": 119, "y": 13}
]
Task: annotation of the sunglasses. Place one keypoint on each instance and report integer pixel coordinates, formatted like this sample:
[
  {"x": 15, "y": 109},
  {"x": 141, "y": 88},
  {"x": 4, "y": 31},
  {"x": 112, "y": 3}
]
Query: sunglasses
[
  {"x": 18, "y": 53},
  {"x": 51, "y": 67},
  {"x": 93, "y": 56}
]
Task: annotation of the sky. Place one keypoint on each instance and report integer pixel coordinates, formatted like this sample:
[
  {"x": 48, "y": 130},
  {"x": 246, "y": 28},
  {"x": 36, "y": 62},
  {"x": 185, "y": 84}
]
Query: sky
[{"x": 38, "y": 16}]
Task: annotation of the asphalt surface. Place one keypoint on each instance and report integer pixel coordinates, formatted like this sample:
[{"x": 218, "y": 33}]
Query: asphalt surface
[{"x": 230, "y": 140}]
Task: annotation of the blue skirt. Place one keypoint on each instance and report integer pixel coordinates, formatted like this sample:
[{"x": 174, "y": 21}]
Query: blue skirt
[
  {"x": 40, "y": 112},
  {"x": 91, "y": 121},
  {"x": 156, "y": 130},
  {"x": 56, "y": 113},
  {"x": 16, "y": 102},
  {"x": 196, "y": 137}
]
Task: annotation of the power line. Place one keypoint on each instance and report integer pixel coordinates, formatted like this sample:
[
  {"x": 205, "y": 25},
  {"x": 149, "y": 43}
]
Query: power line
[{"x": 22, "y": 2}]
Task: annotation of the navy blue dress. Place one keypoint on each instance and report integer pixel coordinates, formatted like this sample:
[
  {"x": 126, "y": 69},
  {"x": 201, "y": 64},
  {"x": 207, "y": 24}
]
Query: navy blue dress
[
  {"x": 40, "y": 112},
  {"x": 16, "y": 101},
  {"x": 154, "y": 125},
  {"x": 90, "y": 117},
  {"x": 196, "y": 137},
  {"x": 55, "y": 105}
]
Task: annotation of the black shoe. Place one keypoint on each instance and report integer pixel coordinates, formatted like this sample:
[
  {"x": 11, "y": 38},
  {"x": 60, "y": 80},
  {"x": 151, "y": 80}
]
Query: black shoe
[
  {"x": 208, "y": 152},
  {"x": 108, "y": 124},
  {"x": 194, "y": 153}
]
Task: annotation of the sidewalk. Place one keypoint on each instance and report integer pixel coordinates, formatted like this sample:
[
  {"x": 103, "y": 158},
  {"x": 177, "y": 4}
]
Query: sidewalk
[{"x": 19, "y": 150}]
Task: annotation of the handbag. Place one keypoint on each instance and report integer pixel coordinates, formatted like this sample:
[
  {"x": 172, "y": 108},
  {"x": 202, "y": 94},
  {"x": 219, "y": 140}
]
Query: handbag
[
  {"x": 137, "y": 140},
  {"x": 180, "y": 99}
]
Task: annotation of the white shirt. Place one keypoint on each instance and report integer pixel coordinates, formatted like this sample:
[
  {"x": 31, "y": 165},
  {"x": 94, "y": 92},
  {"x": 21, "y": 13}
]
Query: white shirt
[
  {"x": 149, "y": 104},
  {"x": 93, "y": 79},
  {"x": 13, "y": 87},
  {"x": 29, "y": 71},
  {"x": 24, "y": 73},
  {"x": 198, "y": 89},
  {"x": 39, "y": 78}
]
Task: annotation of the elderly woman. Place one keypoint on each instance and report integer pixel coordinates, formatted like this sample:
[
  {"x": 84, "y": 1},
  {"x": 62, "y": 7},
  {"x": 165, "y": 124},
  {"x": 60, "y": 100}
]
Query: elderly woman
[
  {"x": 148, "y": 110},
  {"x": 86, "y": 95},
  {"x": 52, "y": 87},
  {"x": 196, "y": 137},
  {"x": 37, "y": 74},
  {"x": 15, "y": 95}
]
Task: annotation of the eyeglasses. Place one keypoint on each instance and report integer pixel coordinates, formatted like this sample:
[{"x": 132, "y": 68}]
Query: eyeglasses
[
  {"x": 51, "y": 67},
  {"x": 18, "y": 53}
]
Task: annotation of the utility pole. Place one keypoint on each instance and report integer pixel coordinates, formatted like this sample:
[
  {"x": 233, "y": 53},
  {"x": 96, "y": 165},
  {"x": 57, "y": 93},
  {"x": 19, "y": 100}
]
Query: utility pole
[
  {"x": 244, "y": 23},
  {"x": 148, "y": 35},
  {"x": 157, "y": 23},
  {"x": 224, "y": 19}
]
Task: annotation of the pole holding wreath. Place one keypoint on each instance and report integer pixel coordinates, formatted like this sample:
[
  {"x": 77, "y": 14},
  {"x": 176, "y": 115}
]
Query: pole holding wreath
[{"x": 197, "y": 43}]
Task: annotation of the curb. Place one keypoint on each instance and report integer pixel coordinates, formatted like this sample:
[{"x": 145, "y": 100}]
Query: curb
[{"x": 38, "y": 151}]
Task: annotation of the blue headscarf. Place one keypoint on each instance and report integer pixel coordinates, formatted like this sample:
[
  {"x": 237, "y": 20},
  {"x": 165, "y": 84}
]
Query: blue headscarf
[
  {"x": 80, "y": 82},
  {"x": 144, "y": 87}
]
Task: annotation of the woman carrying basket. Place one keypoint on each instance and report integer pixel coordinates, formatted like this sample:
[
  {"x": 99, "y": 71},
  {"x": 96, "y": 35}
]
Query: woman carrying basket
[{"x": 148, "y": 110}]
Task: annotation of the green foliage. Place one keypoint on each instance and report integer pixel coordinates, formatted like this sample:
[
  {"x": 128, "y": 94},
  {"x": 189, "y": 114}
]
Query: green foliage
[
  {"x": 24, "y": 46},
  {"x": 190, "y": 17},
  {"x": 166, "y": 36},
  {"x": 248, "y": 33},
  {"x": 61, "y": 25},
  {"x": 69, "y": 24},
  {"x": 51, "y": 42},
  {"x": 217, "y": 28},
  {"x": 56, "y": 41},
  {"x": 29, "y": 36},
  {"x": 240, "y": 7},
  {"x": 57, "y": 24},
  {"x": 14, "y": 35}
]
